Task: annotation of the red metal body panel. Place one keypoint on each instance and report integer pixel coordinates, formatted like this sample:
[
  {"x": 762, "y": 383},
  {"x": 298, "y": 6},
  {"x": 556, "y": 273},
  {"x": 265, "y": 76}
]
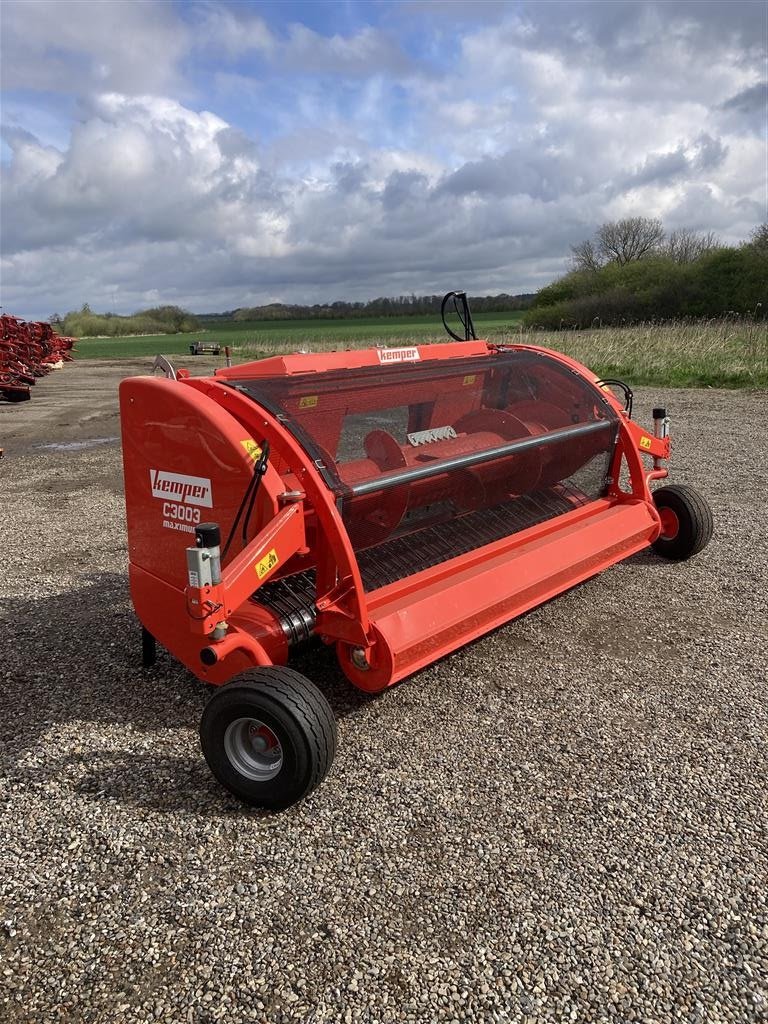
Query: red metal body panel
[
  {"x": 189, "y": 448},
  {"x": 352, "y": 360},
  {"x": 331, "y": 551},
  {"x": 437, "y": 611}
]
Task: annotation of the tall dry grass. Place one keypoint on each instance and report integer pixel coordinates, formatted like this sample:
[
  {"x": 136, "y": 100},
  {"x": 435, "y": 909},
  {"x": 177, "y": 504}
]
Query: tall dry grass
[
  {"x": 729, "y": 351},
  {"x": 723, "y": 352}
]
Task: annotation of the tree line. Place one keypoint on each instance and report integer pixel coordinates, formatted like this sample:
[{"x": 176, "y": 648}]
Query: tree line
[
  {"x": 83, "y": 323},
  {"x": 632, "y": 270},
  {"x": 402, "y": 305}
]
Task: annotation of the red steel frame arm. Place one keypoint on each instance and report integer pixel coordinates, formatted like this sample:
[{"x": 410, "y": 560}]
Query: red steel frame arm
[
  {"x": 280, "y": 539},
  {"x": 271, "y": 547},
  {"x": 648, "y": 444}
]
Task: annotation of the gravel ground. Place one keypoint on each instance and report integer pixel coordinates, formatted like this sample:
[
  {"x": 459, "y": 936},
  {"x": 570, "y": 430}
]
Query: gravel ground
[{"x": 565, "y": 821}]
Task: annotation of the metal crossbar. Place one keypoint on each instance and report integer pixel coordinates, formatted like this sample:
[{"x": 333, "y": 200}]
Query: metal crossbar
[{"x": 440, "y": 466}]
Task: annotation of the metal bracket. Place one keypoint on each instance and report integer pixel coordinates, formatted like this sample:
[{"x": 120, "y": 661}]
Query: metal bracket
[{"x": 161, "y": 363}]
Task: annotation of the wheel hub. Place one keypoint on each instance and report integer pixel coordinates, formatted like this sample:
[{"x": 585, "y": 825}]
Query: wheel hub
[
  {"x": 253, "y": 749},
  {"x": 670, "y": 524}
]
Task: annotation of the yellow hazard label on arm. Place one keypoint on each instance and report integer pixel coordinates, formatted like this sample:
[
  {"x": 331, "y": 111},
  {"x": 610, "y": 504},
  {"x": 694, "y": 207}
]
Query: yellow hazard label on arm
[
  {"x": 266, "y": 564},
  {"x": 470, "y": 378},
  {"x": 645, "y": 442},
  {"x": 308, "y": 402},
  {"x": 251, "y": 448}
]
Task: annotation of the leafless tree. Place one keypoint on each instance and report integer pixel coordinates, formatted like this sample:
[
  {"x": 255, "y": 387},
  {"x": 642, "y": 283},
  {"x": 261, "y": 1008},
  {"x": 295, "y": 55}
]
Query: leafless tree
[
  {"x": 584, "y": 256},
  {"x": 685, "y": 246},
  {"x": 758, "y": 240},
  {"x": 622, "y": 241}
]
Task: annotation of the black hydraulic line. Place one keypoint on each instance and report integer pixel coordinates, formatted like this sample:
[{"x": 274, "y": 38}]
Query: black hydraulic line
[
  {"x": 258, "y": 472},
  {"x": 461, "y": 308},
  {"x": 437, "y": 468},
  {"x": 259, "y": 469},
  {"x": 628, "y": 394}
]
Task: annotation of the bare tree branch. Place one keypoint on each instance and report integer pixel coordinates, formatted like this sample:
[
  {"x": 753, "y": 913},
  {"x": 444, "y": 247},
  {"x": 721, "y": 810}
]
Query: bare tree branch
[
  {"x": 758, "y": 240},
  {"x": 685, "y": 246},
  {"x": 632, "y": 238},
  {"x": 584, "y": 256}
]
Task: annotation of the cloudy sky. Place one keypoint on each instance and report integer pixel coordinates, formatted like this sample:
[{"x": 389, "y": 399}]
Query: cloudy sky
[{"x": 218, "y": 154}]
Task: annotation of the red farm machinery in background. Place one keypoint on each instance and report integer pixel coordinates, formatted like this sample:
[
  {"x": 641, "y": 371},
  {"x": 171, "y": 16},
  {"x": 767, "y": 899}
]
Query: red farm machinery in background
[
  {"x": 28, "y": 351},
  {"x": 394, "y": 503}
]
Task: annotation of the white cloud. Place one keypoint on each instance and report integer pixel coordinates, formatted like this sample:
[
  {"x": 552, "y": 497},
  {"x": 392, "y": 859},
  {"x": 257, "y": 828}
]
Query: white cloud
[
  {"x": 366, "y": 52},
  {"x": 377, "y": 175},
  {"x": 72, "y": 46},
  {"x": 223, "y": 29},
  {"x": 232, "y": 32},
  {"x": 137, "y": 168}
]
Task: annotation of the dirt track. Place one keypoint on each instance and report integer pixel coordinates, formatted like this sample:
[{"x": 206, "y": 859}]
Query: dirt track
[
  {"x": 76, "y": 403},
  {"x": 564, "y": 821}
]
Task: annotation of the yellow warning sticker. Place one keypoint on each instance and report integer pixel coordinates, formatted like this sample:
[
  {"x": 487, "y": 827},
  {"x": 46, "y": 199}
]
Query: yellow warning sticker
[
  {"x": 470, "y": 378},
  {"x": 308, "y": 402},
  {"x": 251, "y": 448},
  {"x": 266, "y": 564},
  {"x": 645, "y": 442}
]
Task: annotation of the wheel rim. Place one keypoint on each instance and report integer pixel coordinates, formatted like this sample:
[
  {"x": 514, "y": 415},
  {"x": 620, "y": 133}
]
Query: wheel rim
[
  {"x": 670, "y": 524},
  {"x": 253, "y": 749}
]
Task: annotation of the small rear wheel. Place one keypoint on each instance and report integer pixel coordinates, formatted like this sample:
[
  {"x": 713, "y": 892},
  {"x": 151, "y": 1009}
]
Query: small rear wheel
[
  {"x": 269, "y": 736},
  {"x": 686, "y": 522}
]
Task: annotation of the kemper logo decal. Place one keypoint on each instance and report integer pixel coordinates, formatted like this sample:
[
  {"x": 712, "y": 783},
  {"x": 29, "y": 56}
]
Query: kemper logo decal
[
  {"x": 399, "y": 355},
  {"x": 188, "y": 490}
]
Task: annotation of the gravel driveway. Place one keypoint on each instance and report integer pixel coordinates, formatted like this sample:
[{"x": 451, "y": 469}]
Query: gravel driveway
[{"x": 565, "y": 821}]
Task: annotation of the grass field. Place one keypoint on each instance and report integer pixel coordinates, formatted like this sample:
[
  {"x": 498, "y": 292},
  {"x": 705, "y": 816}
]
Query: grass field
[
  {"x": 727, "y": 352},
  {"x": 723, "y": 353},
  {"x": 250, "y": 339}
]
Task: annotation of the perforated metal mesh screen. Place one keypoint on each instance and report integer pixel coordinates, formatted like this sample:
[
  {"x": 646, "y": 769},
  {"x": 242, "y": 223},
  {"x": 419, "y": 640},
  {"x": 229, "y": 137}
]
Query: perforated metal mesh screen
[{"x": 411, "y": 447}]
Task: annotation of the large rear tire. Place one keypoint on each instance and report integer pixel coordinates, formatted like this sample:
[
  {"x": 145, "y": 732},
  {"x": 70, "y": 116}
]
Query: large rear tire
[
  {"x": 269, "y": 736},
  {"x": 686, "y": 521}
]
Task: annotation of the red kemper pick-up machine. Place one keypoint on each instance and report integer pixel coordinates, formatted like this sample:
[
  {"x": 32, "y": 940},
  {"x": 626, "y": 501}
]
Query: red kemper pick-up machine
[{"x": 395, "y": 503}]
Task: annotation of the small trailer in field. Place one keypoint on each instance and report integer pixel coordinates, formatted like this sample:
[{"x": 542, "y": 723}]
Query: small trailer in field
[
  {"x": 394, "y": 503},
  {"x": 200, "y": 348}
]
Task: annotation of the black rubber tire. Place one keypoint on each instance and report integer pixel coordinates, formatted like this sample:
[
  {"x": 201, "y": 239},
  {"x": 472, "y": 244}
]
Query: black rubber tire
[
  {"x": 296, "y": 712},
  {"x": 694, "y": 516}
]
